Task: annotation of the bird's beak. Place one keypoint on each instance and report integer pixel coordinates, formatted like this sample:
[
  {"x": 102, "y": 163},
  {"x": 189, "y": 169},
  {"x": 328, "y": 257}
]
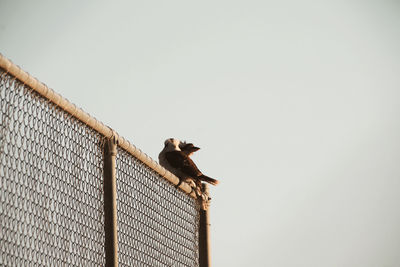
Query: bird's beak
[{"x": 195, "y": 148}]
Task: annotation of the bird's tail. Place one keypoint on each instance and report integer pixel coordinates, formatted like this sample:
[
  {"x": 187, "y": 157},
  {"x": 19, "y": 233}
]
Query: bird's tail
[{"x": 209, "y": 180}]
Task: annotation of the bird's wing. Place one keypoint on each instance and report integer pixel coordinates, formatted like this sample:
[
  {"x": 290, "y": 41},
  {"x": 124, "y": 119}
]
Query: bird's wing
[{"x": 180, "y": 160}]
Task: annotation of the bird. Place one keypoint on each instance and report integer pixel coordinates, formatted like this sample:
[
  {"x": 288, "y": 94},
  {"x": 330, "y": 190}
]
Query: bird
[
  {"x": 179, "y": 163},
  {"x": 188, "y": 148}
]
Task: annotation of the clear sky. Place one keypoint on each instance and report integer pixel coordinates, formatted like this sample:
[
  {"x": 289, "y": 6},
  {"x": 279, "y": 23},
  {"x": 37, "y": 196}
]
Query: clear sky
[{"x": 295, "y": 105}]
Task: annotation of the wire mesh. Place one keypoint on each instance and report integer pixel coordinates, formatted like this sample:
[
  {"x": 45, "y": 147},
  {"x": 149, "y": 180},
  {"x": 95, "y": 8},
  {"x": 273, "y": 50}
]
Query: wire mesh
[
  {"x": 157, "y": 224},
  {"x": 51, "y": 191}
]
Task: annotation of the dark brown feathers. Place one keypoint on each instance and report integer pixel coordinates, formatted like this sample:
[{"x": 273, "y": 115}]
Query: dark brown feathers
[{"x": 183, "y": 163}]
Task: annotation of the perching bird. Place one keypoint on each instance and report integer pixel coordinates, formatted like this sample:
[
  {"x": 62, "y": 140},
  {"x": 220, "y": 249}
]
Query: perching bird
[
  {"x": 180, "y": 164},
  {"x": 188, "y": 148}
]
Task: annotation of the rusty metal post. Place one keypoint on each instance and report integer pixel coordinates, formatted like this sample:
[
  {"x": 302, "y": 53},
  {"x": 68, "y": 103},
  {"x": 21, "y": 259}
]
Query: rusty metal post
[
  {"x": 110, "y": 203},
  {"x": 204, "y": 230}
]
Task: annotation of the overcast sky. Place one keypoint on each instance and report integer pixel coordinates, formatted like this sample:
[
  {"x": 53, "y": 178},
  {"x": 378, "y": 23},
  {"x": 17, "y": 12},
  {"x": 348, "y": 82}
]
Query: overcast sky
[{"x": 295, "y": 105}]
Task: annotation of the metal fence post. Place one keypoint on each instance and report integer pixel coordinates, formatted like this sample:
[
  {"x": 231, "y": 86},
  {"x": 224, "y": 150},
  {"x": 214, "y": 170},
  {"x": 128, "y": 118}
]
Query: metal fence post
[
  {"x": 110, "y": 203},
  {"x": 204, "y": 231}
]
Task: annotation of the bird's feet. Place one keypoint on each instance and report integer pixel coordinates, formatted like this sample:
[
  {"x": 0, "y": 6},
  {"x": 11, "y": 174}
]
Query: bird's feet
[
  {"x": 190, "y": 182},
  {"x": 196, "y": 188}
]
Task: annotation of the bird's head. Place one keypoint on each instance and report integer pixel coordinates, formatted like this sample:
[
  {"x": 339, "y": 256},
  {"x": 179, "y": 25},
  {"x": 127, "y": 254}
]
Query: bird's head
[
  {"x": 172, "y": 144},
  {"x": 188, "y": 148}
]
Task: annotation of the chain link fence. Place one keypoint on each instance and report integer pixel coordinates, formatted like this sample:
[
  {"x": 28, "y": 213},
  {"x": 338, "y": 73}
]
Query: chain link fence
[
  {"x": 166, "y": 219},
  {"x": 51, "y": 193}
]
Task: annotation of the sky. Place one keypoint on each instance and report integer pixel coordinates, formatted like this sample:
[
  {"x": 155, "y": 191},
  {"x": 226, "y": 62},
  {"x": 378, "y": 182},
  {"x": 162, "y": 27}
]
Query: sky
[{"x": 295, "y": 105}]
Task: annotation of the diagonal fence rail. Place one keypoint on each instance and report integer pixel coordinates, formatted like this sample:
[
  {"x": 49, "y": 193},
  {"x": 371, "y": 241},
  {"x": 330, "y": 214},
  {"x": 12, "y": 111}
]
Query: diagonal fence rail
[{"x": 75, "y": 193}]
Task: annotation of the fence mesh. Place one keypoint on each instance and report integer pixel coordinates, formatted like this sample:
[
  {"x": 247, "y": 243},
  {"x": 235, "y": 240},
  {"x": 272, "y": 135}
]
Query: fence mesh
[
  {"x": 51, "y": 194},
  {"x": 51, "y": 201},
  {"x": 157, "y": 224}
]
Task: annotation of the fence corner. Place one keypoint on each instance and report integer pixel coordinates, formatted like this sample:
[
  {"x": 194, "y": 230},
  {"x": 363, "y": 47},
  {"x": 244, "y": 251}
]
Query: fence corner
[{"x": 204, "y": 229}]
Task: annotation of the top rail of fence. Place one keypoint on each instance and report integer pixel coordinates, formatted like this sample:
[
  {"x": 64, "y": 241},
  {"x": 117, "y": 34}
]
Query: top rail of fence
[{"x": 92, "y": 122}]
